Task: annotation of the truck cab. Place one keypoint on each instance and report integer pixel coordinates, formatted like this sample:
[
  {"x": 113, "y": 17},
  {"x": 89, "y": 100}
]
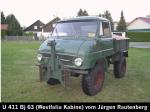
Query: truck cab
[{"x": 82, "y": 46}]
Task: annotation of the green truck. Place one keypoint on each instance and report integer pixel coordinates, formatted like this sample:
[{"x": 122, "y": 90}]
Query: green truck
[{"x": 82, "y": 46}]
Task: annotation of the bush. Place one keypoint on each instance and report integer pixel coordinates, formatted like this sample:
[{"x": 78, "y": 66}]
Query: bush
[
  {"x": 3, "y": 33},
  {"x": 139, "y": 36},
  {"x": 28, "y": 34}
]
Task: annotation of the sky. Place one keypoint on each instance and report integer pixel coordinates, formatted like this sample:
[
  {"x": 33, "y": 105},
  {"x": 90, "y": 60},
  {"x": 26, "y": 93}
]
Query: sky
[{"x": 29, "y": 11}]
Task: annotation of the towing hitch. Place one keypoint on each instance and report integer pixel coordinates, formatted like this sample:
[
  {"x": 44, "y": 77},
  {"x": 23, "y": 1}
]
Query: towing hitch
[{"x": 55, "y": 69}]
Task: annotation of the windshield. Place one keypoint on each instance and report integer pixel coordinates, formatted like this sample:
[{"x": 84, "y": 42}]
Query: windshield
[{"x": 76, "y": 29}]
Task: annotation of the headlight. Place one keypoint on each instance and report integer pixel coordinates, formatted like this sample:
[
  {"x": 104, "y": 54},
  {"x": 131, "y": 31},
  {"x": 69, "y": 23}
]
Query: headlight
[
  {"x": 39, "y": 57},
  {"x": 78, "y": 61}
]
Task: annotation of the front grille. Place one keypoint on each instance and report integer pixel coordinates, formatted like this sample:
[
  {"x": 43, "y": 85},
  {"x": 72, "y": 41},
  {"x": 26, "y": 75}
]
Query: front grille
[
  {"x": 46, "y": 55},
  {"x": 64, "y": 59}
]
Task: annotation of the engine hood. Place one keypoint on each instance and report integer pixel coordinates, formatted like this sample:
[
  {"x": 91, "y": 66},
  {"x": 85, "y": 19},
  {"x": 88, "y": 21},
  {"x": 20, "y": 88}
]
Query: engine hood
[{"x": 64, "y": 46}]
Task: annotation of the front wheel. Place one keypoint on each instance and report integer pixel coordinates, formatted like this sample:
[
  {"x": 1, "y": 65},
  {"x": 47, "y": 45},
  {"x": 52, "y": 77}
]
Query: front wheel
[{"x": 92, "y": 83}]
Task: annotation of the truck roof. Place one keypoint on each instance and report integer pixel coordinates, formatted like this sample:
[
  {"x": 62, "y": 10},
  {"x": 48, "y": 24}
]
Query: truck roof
[{"x": 84, "y": 18}]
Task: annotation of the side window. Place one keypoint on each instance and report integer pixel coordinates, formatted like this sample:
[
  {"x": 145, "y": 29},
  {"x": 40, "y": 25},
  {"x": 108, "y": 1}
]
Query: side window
[{"x": 106, "y": 29}]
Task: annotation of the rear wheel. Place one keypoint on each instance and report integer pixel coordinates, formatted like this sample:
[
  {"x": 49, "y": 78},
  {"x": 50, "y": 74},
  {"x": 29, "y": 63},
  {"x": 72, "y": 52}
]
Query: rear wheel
[
  {"x": 120, "y": 67},
  {"x": 92, "y": 83}
]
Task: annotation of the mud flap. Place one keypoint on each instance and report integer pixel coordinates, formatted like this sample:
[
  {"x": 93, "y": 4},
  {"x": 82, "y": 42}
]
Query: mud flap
[
  {"x": 42, "y": 73},
  {"x": 66, "y": 78}
]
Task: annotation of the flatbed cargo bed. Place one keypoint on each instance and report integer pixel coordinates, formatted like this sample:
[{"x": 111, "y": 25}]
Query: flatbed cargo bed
[{"x": 120, "y": 43}]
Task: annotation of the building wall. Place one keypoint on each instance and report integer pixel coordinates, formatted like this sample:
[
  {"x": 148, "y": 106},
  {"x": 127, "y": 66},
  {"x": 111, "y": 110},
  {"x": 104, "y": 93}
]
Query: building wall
[
  {"x": 46, "y": 34},
  {"x": 138, "y": 24},
  {"x": 115, "y": 26},
  {"x": 35, "y": 27},
  {"x": 41, "y": 35}
]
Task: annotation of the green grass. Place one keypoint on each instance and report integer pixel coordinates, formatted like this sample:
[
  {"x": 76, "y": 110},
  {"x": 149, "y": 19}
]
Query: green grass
[{"x": 20, "y": 79}]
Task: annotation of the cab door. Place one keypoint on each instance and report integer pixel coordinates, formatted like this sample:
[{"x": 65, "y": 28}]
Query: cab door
[{"x": 105, "y": 38}]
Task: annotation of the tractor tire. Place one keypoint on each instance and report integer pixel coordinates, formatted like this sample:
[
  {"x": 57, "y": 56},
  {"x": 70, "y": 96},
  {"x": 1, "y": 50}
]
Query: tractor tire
[
  {"x": 92, "y": 83},
  {"x": 52, "y": 81},
  {"x": 120, "y": 67}
]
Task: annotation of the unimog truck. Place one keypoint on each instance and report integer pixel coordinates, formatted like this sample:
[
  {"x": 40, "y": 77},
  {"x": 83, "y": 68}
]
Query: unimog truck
[{"x": 82, "y": 46}]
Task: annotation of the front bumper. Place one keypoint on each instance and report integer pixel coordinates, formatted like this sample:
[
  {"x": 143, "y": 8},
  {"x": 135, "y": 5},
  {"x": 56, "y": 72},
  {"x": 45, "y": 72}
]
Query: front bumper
[{"x": 71, "y": 70}]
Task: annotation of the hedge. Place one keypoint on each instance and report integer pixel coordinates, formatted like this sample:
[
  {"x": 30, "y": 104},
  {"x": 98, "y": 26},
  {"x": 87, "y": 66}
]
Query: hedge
[
  {"x": 3, "y": 33},
  {"x": 138, "y": 36},
  {"x": 28, "y": 34}
]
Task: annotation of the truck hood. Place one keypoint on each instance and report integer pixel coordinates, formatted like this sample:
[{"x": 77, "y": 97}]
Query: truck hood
[{"x": 64, "y": 46}]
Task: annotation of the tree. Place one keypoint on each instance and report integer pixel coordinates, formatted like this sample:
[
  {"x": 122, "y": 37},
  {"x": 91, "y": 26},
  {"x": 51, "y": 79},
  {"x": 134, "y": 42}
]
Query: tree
[
  {"x": 122, "y": 23},
  {"x": 107, "y": 15},
  {"x": 100, "y": 15},
  {"x": 148, "y": 16},
  {"x": 82, "y": 13},
  {"x": 85, "y": 13},
  {"x": 14, "y": 27},
  {"x": 3, "y": 19}
]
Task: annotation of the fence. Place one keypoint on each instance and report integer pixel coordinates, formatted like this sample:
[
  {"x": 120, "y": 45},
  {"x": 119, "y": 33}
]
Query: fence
[{"x": 24, "y": 38}]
